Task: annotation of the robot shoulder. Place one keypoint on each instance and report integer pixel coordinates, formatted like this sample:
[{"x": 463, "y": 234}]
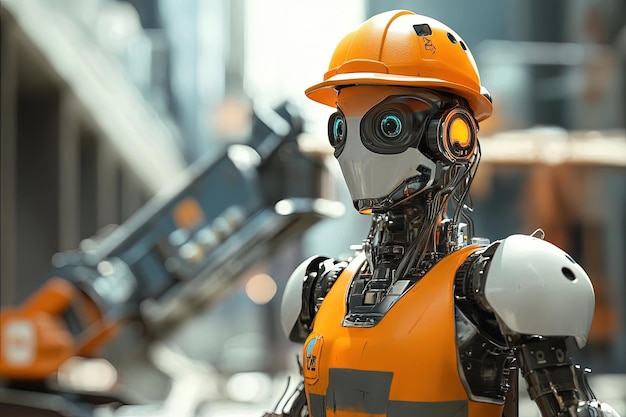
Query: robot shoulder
[
  {"x": 535, "y": 288},
  {"x": 305, "y": 290}
]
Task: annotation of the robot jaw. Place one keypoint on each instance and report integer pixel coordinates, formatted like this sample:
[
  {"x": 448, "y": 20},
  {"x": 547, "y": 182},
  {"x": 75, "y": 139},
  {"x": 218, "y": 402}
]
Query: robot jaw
[
  {"x": 408, "y": 189},
  {"x": 380, "y": 183}
]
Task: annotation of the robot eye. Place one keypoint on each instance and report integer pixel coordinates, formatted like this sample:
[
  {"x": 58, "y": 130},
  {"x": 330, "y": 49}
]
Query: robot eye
[
  {"x": 390, "y": 126},
  {"x": 337, "y": 129},
  {"x": 394, "y": 125}
]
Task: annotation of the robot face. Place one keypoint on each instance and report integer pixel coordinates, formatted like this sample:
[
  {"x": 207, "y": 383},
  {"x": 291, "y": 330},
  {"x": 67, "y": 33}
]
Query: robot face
[{"x": 380, "y": 134}]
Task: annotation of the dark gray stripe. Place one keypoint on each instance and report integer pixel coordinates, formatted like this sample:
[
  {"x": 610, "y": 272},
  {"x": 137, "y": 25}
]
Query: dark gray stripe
[
  {"x": 404, "y": 408},
  {"x": 362, "y": 391},
  {"x": 368, "y": 392},
  {"x": 423, "y": 409},
  {"x": 318, "y": 405}
]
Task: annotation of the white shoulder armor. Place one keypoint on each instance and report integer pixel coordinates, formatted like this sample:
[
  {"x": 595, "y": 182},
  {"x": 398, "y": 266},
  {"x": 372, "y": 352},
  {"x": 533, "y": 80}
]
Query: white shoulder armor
[
  {"x": 292, "y": 297},
  {"x": 306, "y": 288},
  {"x": 535, "y": 288}
]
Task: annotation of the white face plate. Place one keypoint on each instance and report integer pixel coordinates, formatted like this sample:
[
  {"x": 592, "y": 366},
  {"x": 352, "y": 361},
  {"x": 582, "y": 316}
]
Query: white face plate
[{"x": 371, "y": 175}]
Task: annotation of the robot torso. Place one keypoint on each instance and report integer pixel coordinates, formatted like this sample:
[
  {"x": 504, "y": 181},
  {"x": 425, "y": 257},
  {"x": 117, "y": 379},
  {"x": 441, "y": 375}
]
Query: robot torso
[{"x": 405, "y": 364}]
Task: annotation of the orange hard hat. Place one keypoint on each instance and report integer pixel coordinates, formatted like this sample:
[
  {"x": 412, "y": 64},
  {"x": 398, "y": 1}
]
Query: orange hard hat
[{"x": 402, "y": 48}]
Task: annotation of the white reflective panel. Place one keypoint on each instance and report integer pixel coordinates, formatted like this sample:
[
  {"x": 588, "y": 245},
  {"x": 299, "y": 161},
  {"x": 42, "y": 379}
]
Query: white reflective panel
[{"x": 19, "y": 340}]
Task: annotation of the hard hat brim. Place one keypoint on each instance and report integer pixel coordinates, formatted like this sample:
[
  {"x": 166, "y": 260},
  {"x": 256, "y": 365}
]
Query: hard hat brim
[{"x": 326, "y": 91}]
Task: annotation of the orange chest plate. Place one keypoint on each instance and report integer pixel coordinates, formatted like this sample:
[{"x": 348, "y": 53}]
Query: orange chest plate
[{"x": 405, "y": 365}]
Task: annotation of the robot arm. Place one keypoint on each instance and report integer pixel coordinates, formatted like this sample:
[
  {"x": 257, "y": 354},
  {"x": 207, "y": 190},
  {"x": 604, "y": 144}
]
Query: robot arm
[
  {"x": 539, "y": 297},
  {"x": 558, "y": 387},
  {"x": 306, "y": 288}
]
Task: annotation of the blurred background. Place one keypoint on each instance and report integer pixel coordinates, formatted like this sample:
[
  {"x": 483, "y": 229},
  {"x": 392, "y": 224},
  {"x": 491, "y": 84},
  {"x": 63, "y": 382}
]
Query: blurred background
[{"x": 105, "y": 102}]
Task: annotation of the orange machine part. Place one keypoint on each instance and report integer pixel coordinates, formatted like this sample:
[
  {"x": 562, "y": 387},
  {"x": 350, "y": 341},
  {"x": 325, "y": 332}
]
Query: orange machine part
[
  {"x": 415, "y": 342},
  {"x": 35, "y": 339}
]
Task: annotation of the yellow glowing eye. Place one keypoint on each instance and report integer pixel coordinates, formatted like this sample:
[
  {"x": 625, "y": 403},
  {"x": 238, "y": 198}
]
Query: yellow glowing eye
[{"x": 460, "y": 132}]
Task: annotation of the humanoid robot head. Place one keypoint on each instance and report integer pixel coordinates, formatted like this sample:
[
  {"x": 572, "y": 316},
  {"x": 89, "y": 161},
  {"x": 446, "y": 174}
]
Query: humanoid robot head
[{"x": 408, "y": 99}]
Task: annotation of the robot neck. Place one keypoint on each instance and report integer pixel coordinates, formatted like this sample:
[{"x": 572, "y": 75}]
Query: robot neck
[
  {"x": 409, "y": 239},
  {"x": 402, "y": 242}
]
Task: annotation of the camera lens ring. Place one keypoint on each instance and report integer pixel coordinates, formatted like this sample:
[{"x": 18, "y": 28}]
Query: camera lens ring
[
  {"x": 337, "y": 131},
  {"x": 389, "y": 128}
]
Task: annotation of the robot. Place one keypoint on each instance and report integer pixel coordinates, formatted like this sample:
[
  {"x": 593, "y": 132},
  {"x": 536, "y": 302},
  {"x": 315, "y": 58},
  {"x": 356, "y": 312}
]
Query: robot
[{"x": 426, "y": 319}]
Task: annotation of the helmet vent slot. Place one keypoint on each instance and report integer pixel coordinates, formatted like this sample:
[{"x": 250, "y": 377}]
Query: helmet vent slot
[
  {"x": 463, "y": 45},
  {"x": 423, "y": 29},
  {"x": 451, "y": 37}
]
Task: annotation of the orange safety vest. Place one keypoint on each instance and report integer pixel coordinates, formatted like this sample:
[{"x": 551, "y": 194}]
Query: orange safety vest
[{"x": 406, "y": 365}]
